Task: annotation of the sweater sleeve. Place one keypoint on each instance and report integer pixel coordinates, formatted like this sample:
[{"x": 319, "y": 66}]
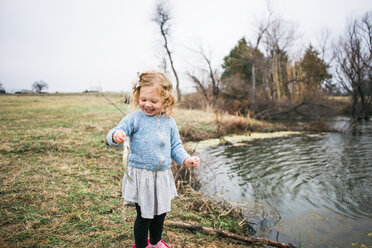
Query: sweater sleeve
[
  {"x": 127, "y": 124},
  {"x": 178, "y": 152}
]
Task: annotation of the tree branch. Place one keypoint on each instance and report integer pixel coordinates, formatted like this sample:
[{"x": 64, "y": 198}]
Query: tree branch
[{"x": 261, "y": 241}]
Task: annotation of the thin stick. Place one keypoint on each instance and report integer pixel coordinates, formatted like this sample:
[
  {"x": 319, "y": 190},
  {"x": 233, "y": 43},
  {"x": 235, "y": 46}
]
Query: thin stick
[
  {"x": 261, "y": 241},
  {"x": 108, "y": 99},
  {"x": 126, "y": 148},
  {"x": 224, "y": 214}
]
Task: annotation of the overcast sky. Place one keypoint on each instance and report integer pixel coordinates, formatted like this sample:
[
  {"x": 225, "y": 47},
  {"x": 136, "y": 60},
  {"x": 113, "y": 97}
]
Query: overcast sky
[{"x": 74, "y": 45}]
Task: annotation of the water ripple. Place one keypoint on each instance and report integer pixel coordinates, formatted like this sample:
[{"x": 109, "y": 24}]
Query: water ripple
[{"x": 297, "y": 173}]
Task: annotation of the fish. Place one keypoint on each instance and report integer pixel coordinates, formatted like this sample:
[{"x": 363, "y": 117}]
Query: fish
[{"x": 126, "y": 152}]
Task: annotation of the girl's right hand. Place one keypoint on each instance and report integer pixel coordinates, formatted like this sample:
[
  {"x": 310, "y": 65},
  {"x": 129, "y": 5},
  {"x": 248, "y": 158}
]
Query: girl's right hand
[{"x": 119, "y": 136}]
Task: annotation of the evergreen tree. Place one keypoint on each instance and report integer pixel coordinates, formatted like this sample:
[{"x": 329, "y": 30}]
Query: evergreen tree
[
  {"x": 238, "y": 63},
  {"x": 315, "y": 71}
]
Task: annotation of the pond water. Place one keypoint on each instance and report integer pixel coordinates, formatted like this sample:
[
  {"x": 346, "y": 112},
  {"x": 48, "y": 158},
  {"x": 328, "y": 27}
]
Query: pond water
[{"x": 310, "y": 190}]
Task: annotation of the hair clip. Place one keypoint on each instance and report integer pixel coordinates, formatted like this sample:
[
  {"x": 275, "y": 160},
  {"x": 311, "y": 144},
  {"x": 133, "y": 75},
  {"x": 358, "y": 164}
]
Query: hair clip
[{"x": 138, "y": 84}]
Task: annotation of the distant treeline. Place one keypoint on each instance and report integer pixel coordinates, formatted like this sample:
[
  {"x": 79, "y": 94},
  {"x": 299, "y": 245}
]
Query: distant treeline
[{"x": 260, "y": 76}]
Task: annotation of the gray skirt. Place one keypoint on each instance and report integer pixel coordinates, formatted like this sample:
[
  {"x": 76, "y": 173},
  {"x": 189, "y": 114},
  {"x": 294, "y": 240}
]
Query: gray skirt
[{"x": 141, "y": 190}]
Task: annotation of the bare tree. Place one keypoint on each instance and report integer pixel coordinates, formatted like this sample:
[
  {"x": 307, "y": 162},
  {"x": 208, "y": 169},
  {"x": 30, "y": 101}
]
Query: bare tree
[
  {"x": 366, "y": 29},
  {"x": 279, "y": 33},
  {"x": 39, "y": 85},
  {"x": 353, "y": 56},
  {"x": 206, "y": 79},
  {"x": 263, "y": 27},
  {"x": 200, "y": 84},
  {"x": 324, "y": 44},
  {"x": 162, "y": 18},
  {"x": 278, "y": 38},
  {"x": 213, "y": 75}
]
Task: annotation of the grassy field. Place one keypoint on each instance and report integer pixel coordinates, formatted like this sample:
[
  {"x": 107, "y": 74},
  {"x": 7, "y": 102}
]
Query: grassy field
[{"x": 60, "y": 184}]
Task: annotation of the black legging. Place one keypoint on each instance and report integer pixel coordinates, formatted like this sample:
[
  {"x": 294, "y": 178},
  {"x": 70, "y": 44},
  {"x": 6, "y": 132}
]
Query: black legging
[{"x": 142, "y": 227}]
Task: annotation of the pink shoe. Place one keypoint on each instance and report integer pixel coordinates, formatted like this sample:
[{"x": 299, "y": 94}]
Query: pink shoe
[{"x": 161, "y": 244}]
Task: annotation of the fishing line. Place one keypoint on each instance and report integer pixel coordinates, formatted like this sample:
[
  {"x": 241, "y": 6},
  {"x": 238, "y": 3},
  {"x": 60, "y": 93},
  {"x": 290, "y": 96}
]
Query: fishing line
[{"x": 126, "y": 148}]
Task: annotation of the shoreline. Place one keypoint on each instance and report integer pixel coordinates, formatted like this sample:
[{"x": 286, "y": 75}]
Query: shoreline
[{"x": 236, "y": 139}]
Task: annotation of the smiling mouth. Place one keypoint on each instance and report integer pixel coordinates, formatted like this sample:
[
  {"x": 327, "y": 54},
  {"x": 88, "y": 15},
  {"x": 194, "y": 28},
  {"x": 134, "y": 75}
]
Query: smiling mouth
[{"x": 148, "y": 110}]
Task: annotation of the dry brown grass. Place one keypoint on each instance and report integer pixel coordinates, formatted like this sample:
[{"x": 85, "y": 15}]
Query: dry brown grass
[{"x": 195, "y": 125}]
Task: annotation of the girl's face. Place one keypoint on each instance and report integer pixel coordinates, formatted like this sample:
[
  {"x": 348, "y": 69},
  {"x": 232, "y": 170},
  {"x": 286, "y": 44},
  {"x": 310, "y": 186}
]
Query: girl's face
[{"x": 150, "y": 101}]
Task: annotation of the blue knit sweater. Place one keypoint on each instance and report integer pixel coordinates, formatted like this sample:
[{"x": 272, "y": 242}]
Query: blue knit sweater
[{"x": 154, "y": 140}]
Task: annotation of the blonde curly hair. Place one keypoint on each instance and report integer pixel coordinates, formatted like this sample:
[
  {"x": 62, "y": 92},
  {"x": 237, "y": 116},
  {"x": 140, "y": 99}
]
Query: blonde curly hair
[{"x": 152, "y": 78}]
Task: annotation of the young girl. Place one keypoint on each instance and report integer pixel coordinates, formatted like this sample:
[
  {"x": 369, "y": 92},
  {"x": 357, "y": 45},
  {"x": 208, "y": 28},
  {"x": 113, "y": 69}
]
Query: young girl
[{"x": 154, "y": 142}]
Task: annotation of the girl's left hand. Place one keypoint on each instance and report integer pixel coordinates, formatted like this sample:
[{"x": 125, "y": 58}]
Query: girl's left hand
[{"x": 192, "y": 162}]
